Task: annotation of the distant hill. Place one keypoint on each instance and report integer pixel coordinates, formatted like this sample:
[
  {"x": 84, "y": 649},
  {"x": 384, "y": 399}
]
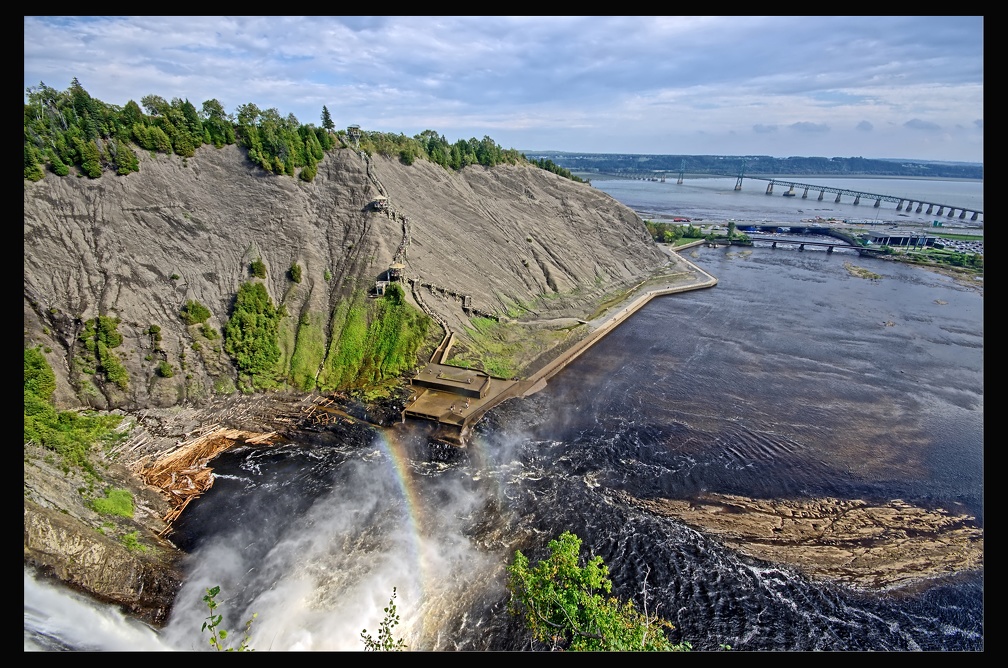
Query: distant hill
[{"x": 636, "y": 165}]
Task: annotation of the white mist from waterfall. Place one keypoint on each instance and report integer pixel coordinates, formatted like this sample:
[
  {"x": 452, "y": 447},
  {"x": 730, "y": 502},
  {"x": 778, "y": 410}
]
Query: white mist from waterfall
[
  {"x": 57, "y": 618},
  {"x": 327, "y": 578},
  {"x": 333, "y": 570}
]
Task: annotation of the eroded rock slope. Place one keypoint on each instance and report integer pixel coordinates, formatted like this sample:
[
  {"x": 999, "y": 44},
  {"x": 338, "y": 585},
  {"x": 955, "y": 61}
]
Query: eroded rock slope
[{"x": 510, "y": 241}]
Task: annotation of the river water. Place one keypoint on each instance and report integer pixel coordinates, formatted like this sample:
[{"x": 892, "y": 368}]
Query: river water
[{"x": 790, "y": 379}]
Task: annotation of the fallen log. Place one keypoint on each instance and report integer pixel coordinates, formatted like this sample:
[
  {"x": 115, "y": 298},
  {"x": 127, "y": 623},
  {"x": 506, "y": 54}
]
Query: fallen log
[{"x": 184, "y": 474}]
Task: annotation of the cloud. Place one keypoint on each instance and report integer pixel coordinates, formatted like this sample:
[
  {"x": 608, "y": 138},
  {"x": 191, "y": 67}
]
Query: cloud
[
  {"x": 865, "y": 126},
  {"x": 805, "y": 126},
  {"x": 634, "y": 84},
  {"x": 918, "y": 124}
]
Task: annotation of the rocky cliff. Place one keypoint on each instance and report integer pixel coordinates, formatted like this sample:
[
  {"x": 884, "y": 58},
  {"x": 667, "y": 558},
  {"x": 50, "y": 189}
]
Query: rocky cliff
[
  {"x": 516, "y": 244},
  {"x": 510, "y": 241},
  {"x": 535, "y": 251}
]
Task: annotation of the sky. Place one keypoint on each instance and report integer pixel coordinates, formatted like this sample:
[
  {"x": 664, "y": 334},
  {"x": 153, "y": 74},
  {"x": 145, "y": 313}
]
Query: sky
[{"x": 908, "y": 87}]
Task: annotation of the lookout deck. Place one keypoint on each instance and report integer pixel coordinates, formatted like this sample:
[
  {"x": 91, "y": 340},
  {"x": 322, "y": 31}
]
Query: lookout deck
[{"x": 454, "y": 396}]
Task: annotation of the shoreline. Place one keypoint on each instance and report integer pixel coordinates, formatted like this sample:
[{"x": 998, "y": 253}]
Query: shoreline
[
  {"x": 633, "y": 302},
  {"x": 431, "y": 404}
]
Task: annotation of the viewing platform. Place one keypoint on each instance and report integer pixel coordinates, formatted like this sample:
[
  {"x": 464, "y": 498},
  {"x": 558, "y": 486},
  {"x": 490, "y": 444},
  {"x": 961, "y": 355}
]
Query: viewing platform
[{"x": 454, "y": 396}]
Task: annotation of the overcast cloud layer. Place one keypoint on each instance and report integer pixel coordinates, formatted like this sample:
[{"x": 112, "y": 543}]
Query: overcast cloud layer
[{"x": 870, "y": 86}]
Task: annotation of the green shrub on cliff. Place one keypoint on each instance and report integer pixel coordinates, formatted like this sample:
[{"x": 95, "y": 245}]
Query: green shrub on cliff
[
  {"x": 100, "y": 336},
  {"x": 250, "y": 335},
  {"x": 117, "y": 502},
  {"x": 39, "y": 378},
  {"x": 68, "y": 433},
  {"x": 195, "y": 313}
]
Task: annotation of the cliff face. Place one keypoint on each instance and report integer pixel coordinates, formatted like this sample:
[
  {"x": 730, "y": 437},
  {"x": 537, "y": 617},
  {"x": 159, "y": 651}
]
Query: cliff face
[
  {"x": 506, "y": 241},
  {"x": 516, "y": 243}
]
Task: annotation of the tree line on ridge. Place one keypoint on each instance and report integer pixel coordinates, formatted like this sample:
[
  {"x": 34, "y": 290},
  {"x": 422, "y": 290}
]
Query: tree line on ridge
[{"x": 71, "y": 129}]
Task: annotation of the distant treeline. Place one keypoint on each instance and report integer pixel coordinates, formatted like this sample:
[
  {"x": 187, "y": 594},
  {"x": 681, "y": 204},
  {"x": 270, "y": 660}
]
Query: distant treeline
[
  {"x": 648, "y": 166},
  {"x": 69, "y": 129},
  {"x": 550, "y": 166}
]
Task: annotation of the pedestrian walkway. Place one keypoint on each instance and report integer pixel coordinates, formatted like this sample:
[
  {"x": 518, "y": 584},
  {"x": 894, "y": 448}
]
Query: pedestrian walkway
[{"x": 456, "y": 398}]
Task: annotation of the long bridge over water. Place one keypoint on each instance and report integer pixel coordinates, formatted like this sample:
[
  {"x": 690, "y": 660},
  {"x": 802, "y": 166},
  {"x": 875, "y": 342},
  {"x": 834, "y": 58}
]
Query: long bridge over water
[{"x": 933, "y": 208}]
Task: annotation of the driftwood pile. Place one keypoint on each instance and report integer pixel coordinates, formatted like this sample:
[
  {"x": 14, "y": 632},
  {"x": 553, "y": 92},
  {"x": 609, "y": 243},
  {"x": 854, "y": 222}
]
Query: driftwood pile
[
  {"x": 325, "y": 411},
  {"x": 184, "y": 474}
]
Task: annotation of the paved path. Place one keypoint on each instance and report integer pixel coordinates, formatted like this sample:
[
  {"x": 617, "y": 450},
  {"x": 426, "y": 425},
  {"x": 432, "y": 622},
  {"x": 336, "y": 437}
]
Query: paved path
[
  {"x": 612, "y": 318},
  {"x": 435, "y": 405}
]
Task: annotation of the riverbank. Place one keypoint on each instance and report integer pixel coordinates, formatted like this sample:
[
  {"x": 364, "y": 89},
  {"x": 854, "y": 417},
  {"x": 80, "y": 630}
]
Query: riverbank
[
  {"x": 457, "y": 414},
  {"x": 680, "y": 276}
]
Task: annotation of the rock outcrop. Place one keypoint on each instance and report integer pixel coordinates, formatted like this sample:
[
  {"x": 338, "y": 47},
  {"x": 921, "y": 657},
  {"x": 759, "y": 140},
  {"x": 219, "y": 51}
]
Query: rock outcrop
[
  {"x": 873, "y": 547},
  {"x": 66, "y": 539}
]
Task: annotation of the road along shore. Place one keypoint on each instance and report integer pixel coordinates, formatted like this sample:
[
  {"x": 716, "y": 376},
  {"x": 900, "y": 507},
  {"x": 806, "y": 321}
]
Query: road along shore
[
  {"x": 679, "y": 275},
  {"x": 659, "y": 286}
]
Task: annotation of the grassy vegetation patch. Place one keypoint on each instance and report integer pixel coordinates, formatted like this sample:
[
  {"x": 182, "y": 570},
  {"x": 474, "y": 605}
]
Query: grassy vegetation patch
[
  {"x": 960, "y": 237},
  {"x": 861, "y": 272},
  {"x": 502, "y": 349},
  {"x": 309, "y": 351},
  {"x": 614, "y": 300},
  {"x": 347, "y": 352},
  {"x": 68, "y": 433},
  {"x": 117, "y": 502},
  {"x": 372, "y": 341},
  {"x": 132, "y": 542}
]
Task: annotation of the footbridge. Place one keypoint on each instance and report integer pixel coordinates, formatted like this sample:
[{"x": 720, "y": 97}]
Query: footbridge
[{"x": 902, "y": 203}]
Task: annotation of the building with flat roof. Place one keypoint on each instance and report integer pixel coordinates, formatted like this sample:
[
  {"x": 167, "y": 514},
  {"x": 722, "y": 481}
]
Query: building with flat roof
[{"x": 900, "y": 238}]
